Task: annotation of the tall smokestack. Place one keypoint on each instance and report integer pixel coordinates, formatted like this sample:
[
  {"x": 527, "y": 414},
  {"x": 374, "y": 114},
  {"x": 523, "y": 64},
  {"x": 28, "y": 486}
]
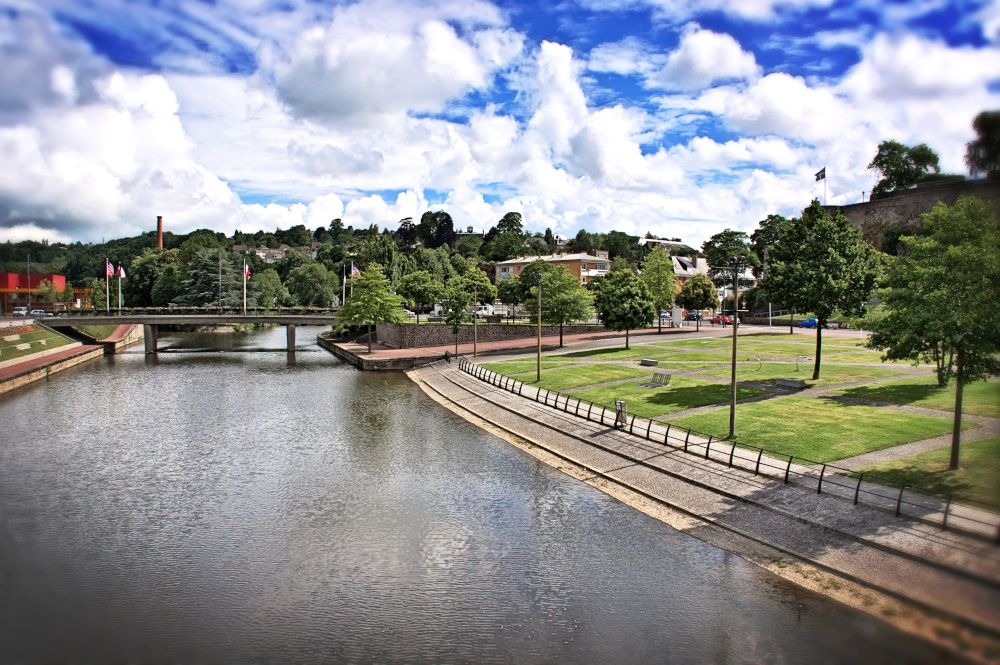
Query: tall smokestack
[{"x": 159, "y": 232}]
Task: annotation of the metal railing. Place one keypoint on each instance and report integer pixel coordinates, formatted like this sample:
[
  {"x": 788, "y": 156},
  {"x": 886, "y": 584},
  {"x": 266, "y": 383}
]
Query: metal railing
[
  {"x": 902, "y": 499},
  {"x": 209, "y": 310}
]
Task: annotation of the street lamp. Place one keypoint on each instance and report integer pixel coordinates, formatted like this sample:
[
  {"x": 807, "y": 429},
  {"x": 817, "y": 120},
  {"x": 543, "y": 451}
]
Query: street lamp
[
  {"x": 736, "y": 264},
  {"x": 539, "y": 314}
]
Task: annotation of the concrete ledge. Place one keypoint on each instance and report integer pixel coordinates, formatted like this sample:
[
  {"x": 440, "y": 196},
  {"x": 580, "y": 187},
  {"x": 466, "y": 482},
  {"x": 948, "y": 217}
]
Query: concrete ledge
[
  {"x": 790, "y": 383},
  {"x": 374, "y": 364},
  {"x": 649, "y": 362},
  {"x": 40, "y": 354},
  {"x": 38, "y": 373}
]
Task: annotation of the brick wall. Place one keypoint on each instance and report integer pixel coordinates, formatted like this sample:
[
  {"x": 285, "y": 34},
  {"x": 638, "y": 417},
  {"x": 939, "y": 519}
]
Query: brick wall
[
  {"x": 411, "y": 336},
  {"x": 904, "y": 208}
]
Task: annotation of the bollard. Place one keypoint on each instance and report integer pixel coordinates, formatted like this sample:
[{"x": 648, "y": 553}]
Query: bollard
[
  {"x": 899, "y": 501},
  {"x": 857, "y": 490},
  {"x": 819, "y": 485},
  {"x": 789, "y": 467}
]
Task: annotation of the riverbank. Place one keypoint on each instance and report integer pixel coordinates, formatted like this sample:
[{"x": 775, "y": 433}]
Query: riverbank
[
  {"x": 899, "y": 572},
  {"x": 39, "y": 367}
]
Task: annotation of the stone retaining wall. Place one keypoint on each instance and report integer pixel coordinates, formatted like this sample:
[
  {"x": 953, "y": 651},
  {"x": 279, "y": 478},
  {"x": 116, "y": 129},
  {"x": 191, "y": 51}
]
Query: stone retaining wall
[
  {"x": 39, "y": 373},
  {"x": 411, "y": 335}
]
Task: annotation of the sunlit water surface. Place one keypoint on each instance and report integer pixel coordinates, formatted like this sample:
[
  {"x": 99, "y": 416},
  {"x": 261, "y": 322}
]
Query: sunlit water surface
[{"x": 247, "y": 506}]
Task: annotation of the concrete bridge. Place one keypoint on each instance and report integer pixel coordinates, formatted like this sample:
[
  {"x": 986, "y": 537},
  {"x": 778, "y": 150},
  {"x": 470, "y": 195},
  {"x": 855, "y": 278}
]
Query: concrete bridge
[{"x": 151, "y": 322}]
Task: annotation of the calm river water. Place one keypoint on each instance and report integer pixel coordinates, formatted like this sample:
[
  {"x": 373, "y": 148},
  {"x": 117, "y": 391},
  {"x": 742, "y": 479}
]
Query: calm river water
[{"x": 235, "y": 507}]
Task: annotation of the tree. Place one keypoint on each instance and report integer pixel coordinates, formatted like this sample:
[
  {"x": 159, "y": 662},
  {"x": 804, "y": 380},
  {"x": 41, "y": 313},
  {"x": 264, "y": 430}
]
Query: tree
[
  {"x": 455, "y": 304},
  {"x": 267, "y": 285},
  {"x": 563, "y": 298},
  {"x": 407, "y": 232},
  {"x": 372, "y": 302},
  {"x": 719, "y": 250},
  {"x": 436, "y": 229},
  {"x": 528, "y": 278},
  {"x": 503, "y": 247},
  {"x": 900, "y": 166},
  {"x": 50, "y": 293},
  {"x": 983, "y": 154},
  {"x": 167, "y": 286},
  {"x": 698, "y": 293},
  {"x": 821, "y": 264},
  {"x": 940, "y": 304},
  {"x": 469, "y": 246},
  {"x": 312, "y": 285},
  {"x": 511, "y": 222},
  {"x": 625, "y": 302},
  {"x": 478, "y": 283},
  {"x": 202, "y": 284},
  {"x": 761, "y": 241},
  {"x": 509, "y": 292},
  {"x": 583, "y": 242},
  {"x": 658, "y": 274},
  {"x": 420, "y": 288}
]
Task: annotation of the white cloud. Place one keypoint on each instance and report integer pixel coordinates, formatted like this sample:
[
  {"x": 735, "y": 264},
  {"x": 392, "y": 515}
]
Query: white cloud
[
  {"x": 702, "y": 58},
  {"x": 675, "y": 11}
]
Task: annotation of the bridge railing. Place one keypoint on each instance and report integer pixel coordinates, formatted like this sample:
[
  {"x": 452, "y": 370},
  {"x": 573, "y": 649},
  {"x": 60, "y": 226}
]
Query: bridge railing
[
  {"x": 189, "y": 311},
  {"x": 903, "y": 499}
]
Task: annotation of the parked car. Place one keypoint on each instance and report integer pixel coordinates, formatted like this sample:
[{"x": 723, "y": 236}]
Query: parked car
[
  {"x": 694, "y": 316},
  {"x": 40, "y": 313},
  {"x": 484, "y": 310},
  {"x": 722, "y": 318},
  {"x": 20, "y": 311},
  {"x": 809, "y": 323}
]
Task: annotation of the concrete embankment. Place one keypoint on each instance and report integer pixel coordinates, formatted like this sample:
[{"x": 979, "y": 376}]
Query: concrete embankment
[
  {"x": 42, "y": 366},
  {"x": 915, "y": 563}
]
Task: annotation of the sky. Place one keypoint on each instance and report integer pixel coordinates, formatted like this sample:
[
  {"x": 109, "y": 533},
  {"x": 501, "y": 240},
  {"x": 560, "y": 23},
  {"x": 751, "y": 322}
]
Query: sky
[{"x": 679, "y": 118}]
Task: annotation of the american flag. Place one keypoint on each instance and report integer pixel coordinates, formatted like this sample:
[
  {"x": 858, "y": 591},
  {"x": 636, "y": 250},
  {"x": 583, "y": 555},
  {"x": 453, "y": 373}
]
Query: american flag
[
  {"x": 354, "y": 269},
  {"x": 110, "y": 269},
  {"x": 121, "y": 271}
]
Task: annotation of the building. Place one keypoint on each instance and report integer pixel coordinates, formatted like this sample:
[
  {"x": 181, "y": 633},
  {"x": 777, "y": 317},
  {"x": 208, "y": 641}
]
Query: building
[
  {"x": 15, "y": 289},
  {"x": 668, "y": 245},
  {"x": 584, "y": 266},
  {"x": 685, "y": 268},
  {"x": 468, "y": 231}
]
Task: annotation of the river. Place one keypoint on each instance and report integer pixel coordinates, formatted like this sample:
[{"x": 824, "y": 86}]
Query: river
[{"x": 243, "y": 506}]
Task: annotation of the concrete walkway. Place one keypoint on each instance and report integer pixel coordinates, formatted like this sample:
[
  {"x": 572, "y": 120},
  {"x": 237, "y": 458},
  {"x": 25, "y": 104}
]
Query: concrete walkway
[{"x": 944, "y": 570}]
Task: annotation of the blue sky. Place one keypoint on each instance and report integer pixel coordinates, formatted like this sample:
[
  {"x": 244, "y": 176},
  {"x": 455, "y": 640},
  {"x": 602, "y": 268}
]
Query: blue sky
[{"x": 677, "y": 117}]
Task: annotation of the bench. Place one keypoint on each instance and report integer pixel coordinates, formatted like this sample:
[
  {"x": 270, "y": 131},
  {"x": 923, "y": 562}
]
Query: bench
[
  {"x": 435, "y": 319},
  {"x": 649, "y": 362},
  {"x": 659, "y": 380},
  {"x": 493, "y": 318},
  {"x": 790, "y": 383}
]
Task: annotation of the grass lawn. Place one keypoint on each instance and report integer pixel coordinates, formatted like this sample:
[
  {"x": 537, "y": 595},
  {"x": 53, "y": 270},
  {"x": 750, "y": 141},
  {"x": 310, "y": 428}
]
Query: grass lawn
[
  {"x": 805, "y": 339},
  {"x": 722, "y": 356},
  {"x": 616, "y": 353},
  {"x": 828, "y": 374},
  {"x": 679, "y": 365},
  {"x": 682, "y": 393},
  {"x": 97, "y": 332},
  {"x": 869, "y": 357},
  {"x": 977, "y": 476},
  {"x": 817, "y": 429},
  {"x": 9, "y": 350},
  {"x": 699, "y": 343},
  {"x": 510, "y": 368},
  {"x": 788, "y": 350},
  {"x": 584, "y": 375},
  {"x": 981, "y": 398}
]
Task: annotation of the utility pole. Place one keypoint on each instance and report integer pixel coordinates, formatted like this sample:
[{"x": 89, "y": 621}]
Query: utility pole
[
  {"x": 220, "y": 280},
  {"x": 539, "y": 313},
  {"x": 737, "y": 268}
]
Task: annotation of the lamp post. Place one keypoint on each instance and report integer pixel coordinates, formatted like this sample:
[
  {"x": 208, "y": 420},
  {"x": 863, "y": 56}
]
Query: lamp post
[
  {"x": 539, "y": 315},
  {"x": 736, "y": 265},
  {"x": 475, "y": 305}
]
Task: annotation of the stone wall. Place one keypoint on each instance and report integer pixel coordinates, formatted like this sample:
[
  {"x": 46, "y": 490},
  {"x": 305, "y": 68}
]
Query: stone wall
[
  {"x": 411, "y": 335},
  {"x": 904, "y": 208}
]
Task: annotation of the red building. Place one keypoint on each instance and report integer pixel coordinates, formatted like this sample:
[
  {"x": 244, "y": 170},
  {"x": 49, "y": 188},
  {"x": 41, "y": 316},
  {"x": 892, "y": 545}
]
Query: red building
[{"x": 14, "y": 290}]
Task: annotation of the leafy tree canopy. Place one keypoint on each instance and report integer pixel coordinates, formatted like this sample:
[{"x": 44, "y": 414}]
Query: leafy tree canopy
[
  {"x": 982, "y": 156},
  {"x": 900, "y": 166},
  {"x": 719, "y": 250},
  {"x": 658, "y": 274},
  {"x": 372, "y": 301},
  {"x": 624, "y": 302}
]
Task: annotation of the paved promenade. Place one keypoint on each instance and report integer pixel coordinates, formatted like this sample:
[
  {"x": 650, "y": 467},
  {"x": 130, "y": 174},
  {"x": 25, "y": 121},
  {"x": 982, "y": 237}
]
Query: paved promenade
[{"x": 944, "y": 570}]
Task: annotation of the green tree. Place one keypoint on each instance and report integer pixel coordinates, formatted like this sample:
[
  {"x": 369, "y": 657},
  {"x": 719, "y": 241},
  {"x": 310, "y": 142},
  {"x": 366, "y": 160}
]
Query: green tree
[
  {"x": 270, "y": 292},
  {"x": 503, "y": 247},
  {"x": 528, "y": 278},
  {"x": 900, "y": 166},
  {"x": 658, "y": 274},
  {"x": 372, "y": 301},
  {"x": 821, "y": 264},
  {"x": 311, "y": 285},
  {"x": 762, "y": 240},
  {"x": 420, "y": 288},
  {"x": 455, "y": 302},
  {"x": 509, "y": 292},
  {"x": 719, "y": 251},
  {"x": 376, "y": 248},
  {"x": 407, "y": 232},
  {"x": 202, "y": 284},
  {"x": 564, "y": 299},
  {"x": 940, "y": 304},
  {"x": 51, "y": 294},
  {"x": 469, "y": 246},
  {"x": 477, "y": 282},
  {"x": 167, "y": 286},
  {"x": 697, "y": 294},
  {"x": 983, "y": 154},
  {"x": 625, "y": 302},
  {"x": 512, "y": 222}
]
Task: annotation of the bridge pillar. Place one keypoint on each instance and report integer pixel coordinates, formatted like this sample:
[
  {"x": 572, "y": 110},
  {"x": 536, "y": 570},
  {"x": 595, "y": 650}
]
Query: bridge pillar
[
  {"x": 290, "y": 331},
  {"x": 149, "y": 333}
]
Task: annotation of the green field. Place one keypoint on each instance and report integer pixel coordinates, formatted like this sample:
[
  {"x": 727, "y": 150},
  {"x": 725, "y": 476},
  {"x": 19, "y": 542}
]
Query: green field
[
  {"x": 817, "y": 429},
  {"x": 981, "y": 398},
  {"x": 97, "y": 332},
  {"x": 616, "y": 353},
  {"x": 699, "y": 343},
  {"x": 719, "y": 357},
  {"x": 805, "y": 339},
  {"x": 9, "y": 350},
  {"x": 510, "y": 368},
  {"x": 585, "y": 375},
  {"x": 828, "y": 375},
  {"x": 977, "y": 476},
  {"x": 682, "y": 393}
]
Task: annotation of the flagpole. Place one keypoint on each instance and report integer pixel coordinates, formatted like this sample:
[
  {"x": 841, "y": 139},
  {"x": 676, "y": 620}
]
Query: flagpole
[
  {"x": 244, "y": 287},
  {"x": 119, "y": 290},
  {"x": 107, "y": 287},
  {"x": 352, "y": 279},
  {"x": 343, "y": 287}
]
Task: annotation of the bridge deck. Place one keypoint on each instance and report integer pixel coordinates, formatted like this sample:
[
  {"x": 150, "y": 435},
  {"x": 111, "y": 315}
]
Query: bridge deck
[{"x": 193, "y": 319}]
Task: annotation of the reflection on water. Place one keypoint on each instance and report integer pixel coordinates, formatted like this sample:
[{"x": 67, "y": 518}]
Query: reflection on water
[{"x": 233, "y": 507}]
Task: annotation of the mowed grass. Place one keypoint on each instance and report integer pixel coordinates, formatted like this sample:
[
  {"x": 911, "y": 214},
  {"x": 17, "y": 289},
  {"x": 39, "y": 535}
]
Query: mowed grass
[
  {"x": 699, "y": 343},
  {"x": 805, "y": 338},
  {"x": 867, "y": 357},
  {"x": 828, "y": 374},
  {"x": 583, "y": 375},
  {"x": 981, "y": 398},
  {"x": 617, "y": 353},
  {"x": 682, "y": 393},
  {"x": 509, "y": 368},
  {"x": 977, "y": 476},
  {"x": 816, "y": 429},
  {"x": 97, "y": 332},
  {"x": 693, "y": 355},
  {"x": 9, "y": 350}
]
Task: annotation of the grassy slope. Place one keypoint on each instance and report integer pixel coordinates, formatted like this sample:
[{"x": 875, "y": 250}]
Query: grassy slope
[
  {"x": 818, "y": 430},
  {"x": 682, "y": 393},
  {"x": 584, "y": 375},
  {"x": 829, "y": 374},
  {"x": 97, "y": 332},
  {"x": 8, "y": 350},
  {"x": 981, "y": 398}
]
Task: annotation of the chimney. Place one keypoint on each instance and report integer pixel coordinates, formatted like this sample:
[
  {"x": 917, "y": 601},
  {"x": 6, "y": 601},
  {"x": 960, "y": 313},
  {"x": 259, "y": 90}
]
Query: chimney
[{"x": 159, "y": 232}]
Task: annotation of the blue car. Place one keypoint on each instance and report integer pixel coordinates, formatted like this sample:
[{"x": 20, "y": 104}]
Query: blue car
[{"x": 809, "y": 323}]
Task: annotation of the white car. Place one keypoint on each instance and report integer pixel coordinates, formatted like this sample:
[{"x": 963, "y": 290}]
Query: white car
[{"x": 40, "y": 313}]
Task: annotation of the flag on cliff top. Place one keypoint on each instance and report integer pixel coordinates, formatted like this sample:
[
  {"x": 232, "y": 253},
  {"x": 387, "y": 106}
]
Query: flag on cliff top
[
  {"x": 110, "y": 269},
  {"x": 121, "y": 271},
  {"x": 821, "y": 174}
]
